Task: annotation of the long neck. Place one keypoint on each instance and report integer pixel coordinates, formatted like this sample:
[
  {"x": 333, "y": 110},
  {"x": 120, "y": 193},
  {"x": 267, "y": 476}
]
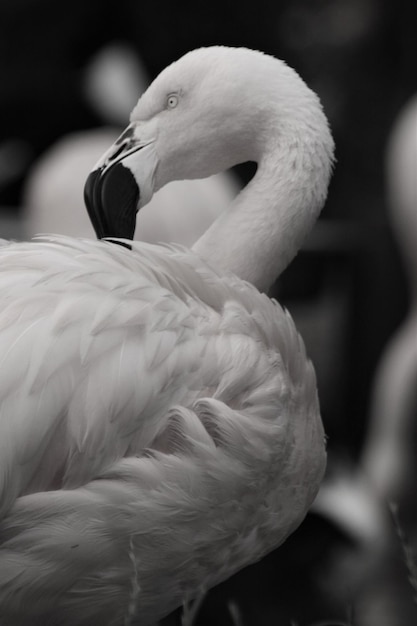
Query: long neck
[{"x": 265, "y": 226}]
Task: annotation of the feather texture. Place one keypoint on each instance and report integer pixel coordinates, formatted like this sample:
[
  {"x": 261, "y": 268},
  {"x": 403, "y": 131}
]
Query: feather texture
[{"x": 159, "y": 408}]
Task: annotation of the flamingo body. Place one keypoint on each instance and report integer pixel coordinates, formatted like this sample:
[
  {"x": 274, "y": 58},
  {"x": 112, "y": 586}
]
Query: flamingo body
[{"x": 153, "y": 399}]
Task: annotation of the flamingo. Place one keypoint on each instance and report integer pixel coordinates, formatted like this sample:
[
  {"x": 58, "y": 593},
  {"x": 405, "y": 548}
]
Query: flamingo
[{"x": 160, "y": 426}]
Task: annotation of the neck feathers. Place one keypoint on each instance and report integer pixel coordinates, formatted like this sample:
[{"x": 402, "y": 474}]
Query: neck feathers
[{"x": 266, "y": 224}]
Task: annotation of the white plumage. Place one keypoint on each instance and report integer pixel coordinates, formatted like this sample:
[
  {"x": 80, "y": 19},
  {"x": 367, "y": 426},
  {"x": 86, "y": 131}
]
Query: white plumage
[{"x": 159, "y": 424}]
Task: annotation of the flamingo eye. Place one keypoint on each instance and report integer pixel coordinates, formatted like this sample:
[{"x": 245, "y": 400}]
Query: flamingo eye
[{"x": 172, "y": 101}]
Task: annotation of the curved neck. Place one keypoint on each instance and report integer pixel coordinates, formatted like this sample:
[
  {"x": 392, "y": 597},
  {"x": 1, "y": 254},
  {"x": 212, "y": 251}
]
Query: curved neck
[{"x": 266, "y": 224}]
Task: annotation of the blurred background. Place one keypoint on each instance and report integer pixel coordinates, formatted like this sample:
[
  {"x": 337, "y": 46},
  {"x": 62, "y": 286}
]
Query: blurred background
[{"x": 69, "y": 75}]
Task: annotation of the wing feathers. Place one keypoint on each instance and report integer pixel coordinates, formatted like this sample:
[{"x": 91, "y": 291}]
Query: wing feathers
[{"x": 144, "y": 392}]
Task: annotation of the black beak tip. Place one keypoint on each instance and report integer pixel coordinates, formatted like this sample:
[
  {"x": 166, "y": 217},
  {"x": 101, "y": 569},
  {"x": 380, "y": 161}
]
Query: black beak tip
[
  {"x": 111, "y": 198},
  {"x": 92, "y": 200}
]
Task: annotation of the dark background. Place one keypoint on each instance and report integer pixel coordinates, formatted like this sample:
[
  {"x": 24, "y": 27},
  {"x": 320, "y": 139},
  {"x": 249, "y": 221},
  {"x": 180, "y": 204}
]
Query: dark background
[{"x": 361, "y": 57}]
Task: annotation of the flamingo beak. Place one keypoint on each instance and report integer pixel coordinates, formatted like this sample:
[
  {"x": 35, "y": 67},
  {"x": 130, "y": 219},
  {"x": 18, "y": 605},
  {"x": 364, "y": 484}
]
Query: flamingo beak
[{"x": 120, "y": 183}]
